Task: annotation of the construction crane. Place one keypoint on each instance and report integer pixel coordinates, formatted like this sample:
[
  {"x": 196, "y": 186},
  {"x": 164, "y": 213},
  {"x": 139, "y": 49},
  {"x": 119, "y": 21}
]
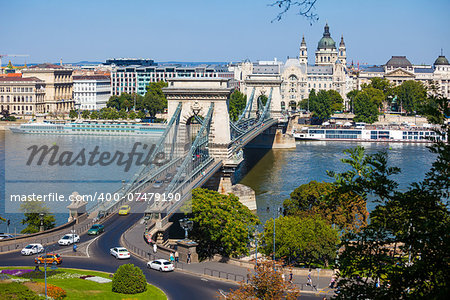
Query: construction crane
[{"x": 10, "y": 55}]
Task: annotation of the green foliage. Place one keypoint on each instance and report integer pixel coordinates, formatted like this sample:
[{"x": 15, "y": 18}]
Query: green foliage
[
  {"x": 263, "y": 99},
  {"x": 15, "y": 290},
  {"x": 154, "y": 100},
  {"x": 236, "y": 105},
  {"x": 310, "y": 240},
  {"x": 125, "y": 101},
  {"x": 32, "y": 211},
  {"x": 324, "y": 103},
  {"x": 141, "y": 114},
  {"x": 123, "y": 114},
  {"x": 129, "y": 279},
  {"x": 345, "y": 210},
  {"x": 366, "y": 104},
  {"x": 94, "y": 115},
  {"x": 220, "y": 223},
  {"x": 73, "y": 114},
  {"x": 411, "y": 95},
  {"x": 132, "y": 115},
  {"x": 85, "y": 114}
]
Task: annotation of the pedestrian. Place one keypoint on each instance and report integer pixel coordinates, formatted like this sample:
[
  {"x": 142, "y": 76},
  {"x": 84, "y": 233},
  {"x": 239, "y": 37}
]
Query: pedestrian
[
  {"x": 189, "y": 257},
  {"x": 332, "y": 282},
  {"x": 309, "y": 278},
  {"x": 290, "y": 276},
  {"x": 176, "y": 256},
  {"x": 155, "y": 248},
  {"x": 74, "y": 247},
  {"x": 171, "y": 258}
]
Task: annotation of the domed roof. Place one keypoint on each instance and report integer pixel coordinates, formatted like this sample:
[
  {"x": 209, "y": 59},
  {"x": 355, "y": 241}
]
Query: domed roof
[
  {"x": 441, "y": 60},
  {"x": 398, "y": 62},
  {"x": 326, "y": 42}
]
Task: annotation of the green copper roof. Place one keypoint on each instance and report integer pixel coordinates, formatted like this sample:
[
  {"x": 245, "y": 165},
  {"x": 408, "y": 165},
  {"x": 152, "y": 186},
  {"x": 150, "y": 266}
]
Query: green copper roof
[
  {"x": 441, "y": 60},
  {"x": 326, "y": 42}
]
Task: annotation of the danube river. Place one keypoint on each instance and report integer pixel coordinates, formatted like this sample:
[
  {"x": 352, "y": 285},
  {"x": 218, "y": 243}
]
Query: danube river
[{"x": 273, "y": 174}]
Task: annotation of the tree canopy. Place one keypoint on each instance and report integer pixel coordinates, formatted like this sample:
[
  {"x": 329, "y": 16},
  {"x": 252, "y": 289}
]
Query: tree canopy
[
  {"x": 221, "y": 223},
  {"x": 411, "y": 95},
  {"x": 366, "y": 105},
  {"x": 324, "y": 103},
  {"x": 236, "y": 105},
  {"x": 308, "y": 240},
  {"x": 154, "y": 100},
  {"x": 32, "y": 211}
]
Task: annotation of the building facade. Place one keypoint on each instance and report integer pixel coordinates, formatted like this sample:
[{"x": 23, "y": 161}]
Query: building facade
[
  {"x": 91, "y": 92},
  {"x": 134, "y": 79},
  {"x": 399, "y": 69},
  {"x": 299, "y": 78},
  {"x": 58, "y": 86},
  {"x": 22, "y": 96}
]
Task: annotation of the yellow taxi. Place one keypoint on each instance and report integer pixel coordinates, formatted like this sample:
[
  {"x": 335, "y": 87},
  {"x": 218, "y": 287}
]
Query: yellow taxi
[
  {"x": 124, "y": 210},
  {"x": 50, "y": 258}
]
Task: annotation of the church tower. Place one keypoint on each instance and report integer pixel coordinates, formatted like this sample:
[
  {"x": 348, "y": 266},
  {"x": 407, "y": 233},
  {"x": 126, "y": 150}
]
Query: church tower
[
  {"x": 303, "y": 57},
  {"x": 326, "y": 53},
  {"x": 342, "y": 52}
]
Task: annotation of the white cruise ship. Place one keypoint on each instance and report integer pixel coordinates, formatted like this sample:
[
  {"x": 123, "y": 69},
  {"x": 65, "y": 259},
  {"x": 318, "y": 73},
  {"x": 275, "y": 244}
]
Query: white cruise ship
[
  {"x": 90, "y": 128},
  {"x": 367, "y": 134}
]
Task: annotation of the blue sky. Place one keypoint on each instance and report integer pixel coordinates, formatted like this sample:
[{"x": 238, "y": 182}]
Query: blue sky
[{"x": 213, "y": 30}]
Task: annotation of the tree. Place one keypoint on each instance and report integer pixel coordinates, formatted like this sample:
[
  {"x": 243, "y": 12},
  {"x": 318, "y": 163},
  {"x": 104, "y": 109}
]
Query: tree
[
  {"x": 320, "y": 105},
  {"x": 94, "y": 115},
  {"x": 114, "y": 102},
  {"x": 129, "y": 279},
  {"x": 132, "y": 115},
  {"x": 351, "y": 97},
  {"x": 73, "y": 114},
  {"x": 305, "y": 8},
  {"x": 336, "y": 100},
  {"x": 267, "y": 283},
  {"x": 220, "y": 223},
  {"x": 85, "y": 114},
  {"x": 32, "y": 211},
  {"x": 365, "y": 106},
  {"x": 236, "y": 105},
  {"x": 412, "y": 95},
  {"x": 310, "y": 239},
  {"x": 347, "y": 211},
  {"x": 122, "y": 114},
  {"x": 154, "y": 100}
]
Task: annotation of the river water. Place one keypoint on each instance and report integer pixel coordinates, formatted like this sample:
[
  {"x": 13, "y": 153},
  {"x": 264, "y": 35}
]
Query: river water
[{"x": 273, "y": 174}]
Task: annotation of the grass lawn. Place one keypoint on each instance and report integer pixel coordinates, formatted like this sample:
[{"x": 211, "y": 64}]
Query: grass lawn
[{"x": 77, "y": 288}]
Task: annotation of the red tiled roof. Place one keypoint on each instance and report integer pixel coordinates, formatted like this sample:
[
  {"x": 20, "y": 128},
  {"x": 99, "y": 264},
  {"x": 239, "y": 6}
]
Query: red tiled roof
[
  {"x": 3, "y": 79},
  {"x": 91, "y": 77}
]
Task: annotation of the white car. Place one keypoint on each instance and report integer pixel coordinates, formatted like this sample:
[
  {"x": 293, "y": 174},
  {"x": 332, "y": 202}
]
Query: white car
[
  {"x": 68, "y": 239},
  {"x": 32, "y": 249},
  {"x": 120, "y": 252},
  {"x": 162, "y": 265}
]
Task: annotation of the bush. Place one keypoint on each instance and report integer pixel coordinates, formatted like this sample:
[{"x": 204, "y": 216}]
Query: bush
[
  {"x": 129, "y": 279},
  {"x": 53, "y": 291}
]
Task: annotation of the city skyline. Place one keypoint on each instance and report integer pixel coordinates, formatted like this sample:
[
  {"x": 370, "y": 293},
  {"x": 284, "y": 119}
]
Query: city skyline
[{"x": 373, "y": 30}]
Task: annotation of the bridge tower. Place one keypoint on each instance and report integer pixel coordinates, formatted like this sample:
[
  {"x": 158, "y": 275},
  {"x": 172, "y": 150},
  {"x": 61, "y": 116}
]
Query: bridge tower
[
  {"x": 196, "y": 96},
  {"x": 263, "y": 84}
]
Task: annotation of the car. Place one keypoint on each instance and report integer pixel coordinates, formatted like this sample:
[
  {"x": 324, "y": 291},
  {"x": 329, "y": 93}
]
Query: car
[
  {"x": 49, "y": 258},
  {"x": 119, "y": 252},
  {"x": 157, "y": 184},
  {"x": 32, "y": 249},
  {"x": 96, "y": 229},
  {"x": 69, "y": 239},
  {"x": 4, "y": 236},
  {"x": 161, "y": 265},
  {"x": 124, "y": 210}
]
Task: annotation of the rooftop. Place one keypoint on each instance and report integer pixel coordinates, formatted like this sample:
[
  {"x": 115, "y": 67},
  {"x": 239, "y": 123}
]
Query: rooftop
[
  {"x": 91, "y": 77},
  {"x": 46, "y": 66},
  {"x": 398, "y": 62},
  {"x": 20, "y": 79}
]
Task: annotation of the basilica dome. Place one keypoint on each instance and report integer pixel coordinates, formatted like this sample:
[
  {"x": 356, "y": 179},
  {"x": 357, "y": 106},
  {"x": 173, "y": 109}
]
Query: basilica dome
[
  {"x": 441, "y": 60},
  {"x": 326, "y": 42}
]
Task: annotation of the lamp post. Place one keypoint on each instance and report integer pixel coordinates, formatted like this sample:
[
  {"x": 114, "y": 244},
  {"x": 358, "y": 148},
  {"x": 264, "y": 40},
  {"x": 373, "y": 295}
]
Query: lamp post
[
  {"x": 41, "y": 228},
  {"x": 276, "y": 212},
  {"x": 187, "y": 225}
]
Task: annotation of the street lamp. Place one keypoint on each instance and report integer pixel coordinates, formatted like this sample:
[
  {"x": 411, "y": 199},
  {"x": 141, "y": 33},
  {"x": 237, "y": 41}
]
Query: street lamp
[
  {"x": 276, "y": 212},
  {"x": 41, "y": 215},
  {"x": 187, "y": 225}
]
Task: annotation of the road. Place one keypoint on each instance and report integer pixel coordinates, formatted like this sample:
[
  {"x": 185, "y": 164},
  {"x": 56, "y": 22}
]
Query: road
[{"x": 176, "y": 285}]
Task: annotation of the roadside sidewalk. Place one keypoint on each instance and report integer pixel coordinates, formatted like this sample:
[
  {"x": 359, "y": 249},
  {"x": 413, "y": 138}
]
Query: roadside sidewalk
[{"x": 133, "y": 240}]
